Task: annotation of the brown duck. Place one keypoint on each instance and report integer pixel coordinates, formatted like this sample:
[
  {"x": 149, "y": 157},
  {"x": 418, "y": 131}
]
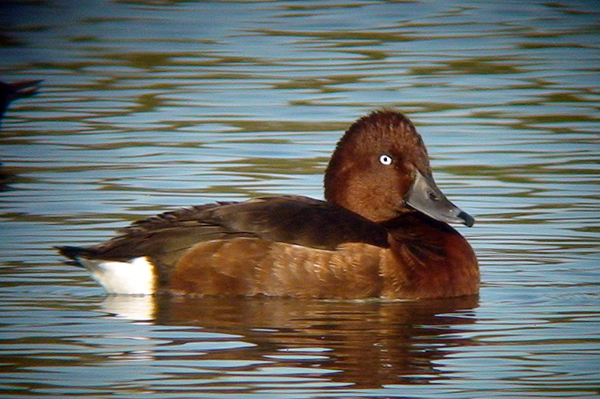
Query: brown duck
[{"x": 382, "y": 232}]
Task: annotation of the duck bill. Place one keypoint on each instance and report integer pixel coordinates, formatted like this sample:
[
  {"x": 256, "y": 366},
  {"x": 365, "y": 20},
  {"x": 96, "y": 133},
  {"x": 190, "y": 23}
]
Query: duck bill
[{"x": 426, "y": 197}]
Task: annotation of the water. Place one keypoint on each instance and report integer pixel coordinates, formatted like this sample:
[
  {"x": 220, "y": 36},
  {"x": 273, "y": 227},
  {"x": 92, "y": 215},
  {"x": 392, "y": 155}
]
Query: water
[{"x": 151, "y": 105}]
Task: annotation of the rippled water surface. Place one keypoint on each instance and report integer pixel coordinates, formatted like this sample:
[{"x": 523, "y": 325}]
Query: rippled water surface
[{"x": 151, "y": 105}]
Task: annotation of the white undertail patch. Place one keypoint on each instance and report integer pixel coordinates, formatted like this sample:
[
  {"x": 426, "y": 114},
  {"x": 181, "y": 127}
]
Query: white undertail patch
[{"x": 134, "y": 277}]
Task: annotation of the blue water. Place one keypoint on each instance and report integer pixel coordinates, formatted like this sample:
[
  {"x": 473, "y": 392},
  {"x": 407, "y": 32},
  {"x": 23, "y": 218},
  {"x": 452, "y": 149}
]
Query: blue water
[{"x": 151, "y": 105}]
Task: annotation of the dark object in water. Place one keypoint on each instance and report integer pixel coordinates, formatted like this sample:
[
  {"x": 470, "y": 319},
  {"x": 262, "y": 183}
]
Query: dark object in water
[{"x": 14, "y": 91}]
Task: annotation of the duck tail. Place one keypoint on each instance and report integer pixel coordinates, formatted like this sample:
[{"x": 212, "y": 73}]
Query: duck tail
[{"x": 74, "y": 254}]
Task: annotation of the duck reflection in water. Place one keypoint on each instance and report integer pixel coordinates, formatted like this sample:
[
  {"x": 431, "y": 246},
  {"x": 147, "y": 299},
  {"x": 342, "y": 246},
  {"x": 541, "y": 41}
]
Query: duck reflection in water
[{"x": 365, "y": 344}]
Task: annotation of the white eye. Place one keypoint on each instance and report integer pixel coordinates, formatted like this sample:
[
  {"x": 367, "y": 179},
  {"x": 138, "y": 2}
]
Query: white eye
[{"x": 385, "y": 159}]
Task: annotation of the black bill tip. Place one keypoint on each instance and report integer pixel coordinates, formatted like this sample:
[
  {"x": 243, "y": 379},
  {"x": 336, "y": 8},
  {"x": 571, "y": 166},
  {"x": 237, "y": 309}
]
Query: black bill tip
[{"x": 468, "y": 219}]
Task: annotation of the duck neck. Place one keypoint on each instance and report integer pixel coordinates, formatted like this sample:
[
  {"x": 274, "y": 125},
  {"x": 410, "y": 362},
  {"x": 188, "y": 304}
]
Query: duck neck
[{"x": 346, "y": 186}]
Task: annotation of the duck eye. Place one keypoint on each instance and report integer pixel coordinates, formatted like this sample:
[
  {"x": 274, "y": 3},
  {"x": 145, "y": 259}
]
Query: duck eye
[{"x": 385, "y": 159}]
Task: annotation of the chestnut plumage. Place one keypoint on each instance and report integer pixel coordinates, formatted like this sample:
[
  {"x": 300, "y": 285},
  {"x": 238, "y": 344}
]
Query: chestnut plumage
[{"x": 381, "y": 232}]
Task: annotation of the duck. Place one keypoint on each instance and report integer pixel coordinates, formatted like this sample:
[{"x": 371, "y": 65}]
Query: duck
[
  {"x": 382, "y": 231},
  {"x": 16, "y": 90},
  {"x": 8, "y": 93}
]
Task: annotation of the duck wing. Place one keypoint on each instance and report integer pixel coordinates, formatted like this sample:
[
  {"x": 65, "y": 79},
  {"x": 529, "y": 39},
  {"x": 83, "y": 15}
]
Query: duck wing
[{"x": 288, "y": 219}]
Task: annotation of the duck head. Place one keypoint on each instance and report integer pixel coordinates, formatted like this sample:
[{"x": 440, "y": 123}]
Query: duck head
[{"x": 380, "y": 170}]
